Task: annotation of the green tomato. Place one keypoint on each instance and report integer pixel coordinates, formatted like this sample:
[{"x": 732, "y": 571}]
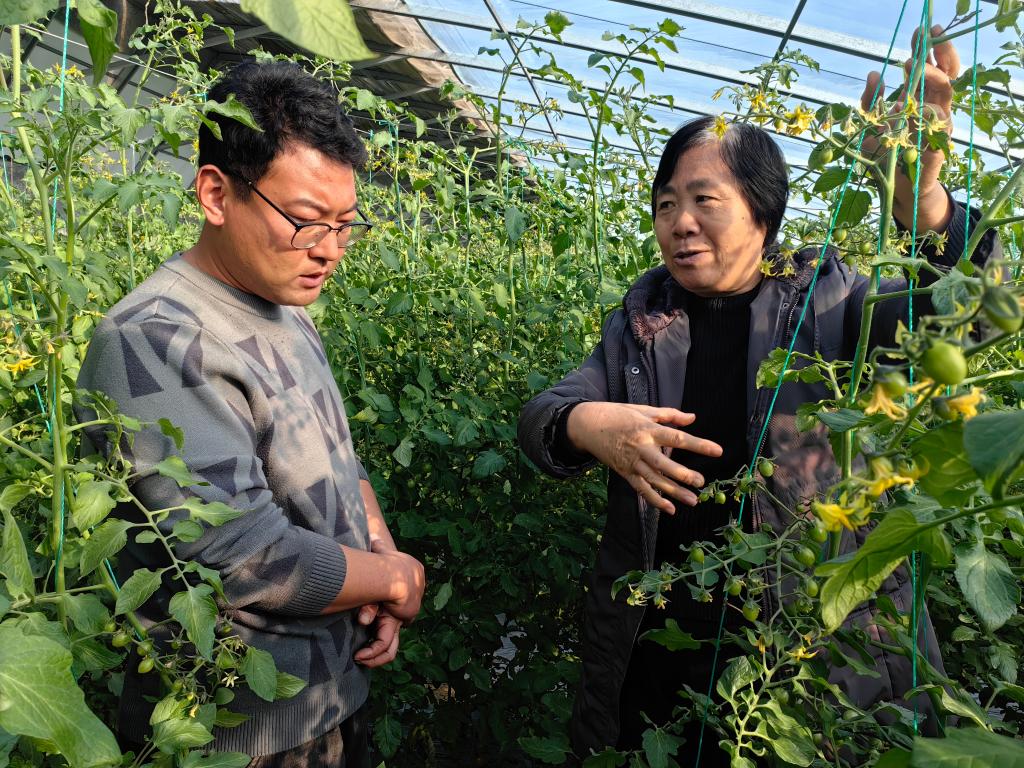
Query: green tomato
[
  {"x": 110, "y": 627},
  {"x": 806, "y": 557},
  {"x": 733, "y": 586},
  {"x": 720, "y": 497},
  {"x": 910, "y": 156},
  {"x": 120, "y": 639},
  {"x": 1002, "y": 309},
  {"x": 818, "y": 532},
  {"x": 810, "y": 587},
  {"x": 751, "y": 610},
  {"x": 781, "y": 695},
  {"x": 945, "y": 363},
  {"x": 146, "y": 665},
  {"x": 892, "y": 382},
  {"x": 865, "y": 248},
  {"x": 177, "y": 685},
  {"x": 144, "y": 648},
  {"x": 696, "y": 555},
  {"x": 839, "y": 235},
  {"x": 766, "y": 468}
]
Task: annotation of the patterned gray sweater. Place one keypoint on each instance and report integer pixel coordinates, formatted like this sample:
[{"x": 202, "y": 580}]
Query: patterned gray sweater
[{"x": 249, "y": 384}]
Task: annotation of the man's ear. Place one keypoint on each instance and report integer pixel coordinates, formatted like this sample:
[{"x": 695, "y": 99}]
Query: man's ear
[{"x": 213, "y": 187}]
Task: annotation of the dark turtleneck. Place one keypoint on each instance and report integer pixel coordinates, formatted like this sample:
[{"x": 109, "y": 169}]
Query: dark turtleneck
[{"x": 716, "y": 391}]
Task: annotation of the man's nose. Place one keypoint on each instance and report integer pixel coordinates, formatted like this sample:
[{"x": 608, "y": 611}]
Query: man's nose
[{"x": 685, "y": 223}]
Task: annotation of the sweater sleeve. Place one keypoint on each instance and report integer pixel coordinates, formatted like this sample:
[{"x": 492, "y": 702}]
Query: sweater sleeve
[{"x": 183, "y": 373}]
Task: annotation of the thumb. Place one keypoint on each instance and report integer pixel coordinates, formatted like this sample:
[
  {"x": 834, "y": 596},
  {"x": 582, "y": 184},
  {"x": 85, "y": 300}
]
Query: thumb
[
  {"x": 367, "y": 614},
  {"x": 874, "y": 90}
]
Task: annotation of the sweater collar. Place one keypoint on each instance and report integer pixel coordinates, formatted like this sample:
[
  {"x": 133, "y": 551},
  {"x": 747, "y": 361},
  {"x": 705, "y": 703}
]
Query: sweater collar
[{"x": 222, "y": 291}]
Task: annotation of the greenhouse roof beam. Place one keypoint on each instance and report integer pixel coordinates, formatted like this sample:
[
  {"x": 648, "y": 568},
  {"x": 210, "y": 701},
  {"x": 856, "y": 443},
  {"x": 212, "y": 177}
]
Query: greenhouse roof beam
[
  {"x": 789, "y": 29},
  {"x": 387, "y": 58},
  {"x": 800, "y": 33},
  {"x": 700, "y": 69}
]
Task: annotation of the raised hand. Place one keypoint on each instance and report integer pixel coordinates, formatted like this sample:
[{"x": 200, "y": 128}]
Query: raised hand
[{"x": 633, "y": 441}]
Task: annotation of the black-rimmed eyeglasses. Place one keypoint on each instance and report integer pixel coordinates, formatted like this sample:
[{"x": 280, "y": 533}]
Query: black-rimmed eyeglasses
[{"x": 308, "y": 235}]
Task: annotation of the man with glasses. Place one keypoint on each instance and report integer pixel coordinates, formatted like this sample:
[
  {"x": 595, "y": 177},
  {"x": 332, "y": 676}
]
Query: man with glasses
[{"x": 217, "y": 341}]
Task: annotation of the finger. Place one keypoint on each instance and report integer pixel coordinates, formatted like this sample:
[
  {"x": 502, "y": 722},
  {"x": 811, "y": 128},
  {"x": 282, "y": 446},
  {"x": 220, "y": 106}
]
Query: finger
[
  {"x": 675, "y": 438},
  {"x": 668, "y": 415},
  {"x": 665, "y": 486},
  {"x": 386, "y": 632},
  {"x": 386, "y": 657},
  {"x": 367, "y": 614},
  {"x": 674, "y": 470},
  {"x": 874, "y": 91},
  {"x": 655, "y": 499},
  {"x": 946, "y": 56}
]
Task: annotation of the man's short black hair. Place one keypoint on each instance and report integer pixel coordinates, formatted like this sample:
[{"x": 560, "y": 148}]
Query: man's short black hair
[
  {"x": 289, "y": 104},
  {"x": 750, "y": 154}
]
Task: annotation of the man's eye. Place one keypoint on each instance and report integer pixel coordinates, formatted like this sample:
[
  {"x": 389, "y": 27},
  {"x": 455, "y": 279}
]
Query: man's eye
[
  {"x": 704, "y": 198},
  {"x": 664, "y": 205}
]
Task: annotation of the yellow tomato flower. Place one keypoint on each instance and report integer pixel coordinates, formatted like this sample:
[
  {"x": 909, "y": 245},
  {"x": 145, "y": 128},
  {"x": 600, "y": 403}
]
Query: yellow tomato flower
[
  {"x": 758, "y": 102},
  {"x": 885, "y": 477},
  {"x": 966, "y": 405},
  {"x": 720, "y": 127},
  {"x": 882, "y": 403},
  {"x": 842, "y": 514},
  {"x": 20, "y": 365},
  {"x": 802, "y": 653},
  {"x": 799, "y": 120}
]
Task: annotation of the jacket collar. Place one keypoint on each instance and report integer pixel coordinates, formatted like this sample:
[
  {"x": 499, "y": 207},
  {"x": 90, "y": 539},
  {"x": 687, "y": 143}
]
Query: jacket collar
[{"x": 656, "y": 299}]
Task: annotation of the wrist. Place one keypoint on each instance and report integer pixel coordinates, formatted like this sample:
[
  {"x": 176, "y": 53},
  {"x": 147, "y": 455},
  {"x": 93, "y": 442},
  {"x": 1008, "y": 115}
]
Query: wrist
[{"x": 577, "y": 426}]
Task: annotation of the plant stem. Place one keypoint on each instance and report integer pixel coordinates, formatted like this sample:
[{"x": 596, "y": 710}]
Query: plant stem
[
  {"x": 970, "y": 29},
  {"x": 986, "y": 220}
]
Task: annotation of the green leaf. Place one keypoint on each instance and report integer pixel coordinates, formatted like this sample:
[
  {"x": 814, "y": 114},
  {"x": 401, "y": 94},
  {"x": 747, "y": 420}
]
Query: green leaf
[
  {"x": 607, "y": 759},
  {"x": 174, "y": 468},
  {"x": 288, "y": 686},
  {"x": 466, "y": 431},
  {"x": 12, "y": 495},
  {"x": 948, "y": 468},
  {"x": 444, "y": 594},
  {"x": 139, "y": 587},
  {"x": 14, "y": 563},
  {"x": 44, "y": 702},
  {"x": 487, "y": 463},
  {"x": 739, "y": 674},
  {"x": 327, "y": 29},
  {"x": 92, "y": 504},
  {"x": 829, "y": 179},
  {"x": 169, "y": 430},
  {"x": 403, "y": 453},
  {"x": 988, "y": 584},
  {"x": 672, "y": 637},
  {"x": 195, "y": 610},
  {"x": 557, "y": 22},
  {"x": 129, "y": 120},
  {"x": 850, "y": 582},
  {"x": 105, "y": 542},
  {"x": 968, "y": 748},
  {"x": 211, "y": 512},
  {"x": 515, "y": 224},
  {"x": 232, "y": 109},
  {"x": 548, "y": 750},
  {"x": 87, "y": 613},
  {"x": 99, "y": 28},
  {"x": 994, "y": 442},
  {"x": 25, "y": 11},
  {"x": 387, "y": 735},
  {"x": 855, "y": 206},
  {"x": 260, "y": 673},
  {"x": 180, "y": 733},
  {"x": 659, "y": 745}
]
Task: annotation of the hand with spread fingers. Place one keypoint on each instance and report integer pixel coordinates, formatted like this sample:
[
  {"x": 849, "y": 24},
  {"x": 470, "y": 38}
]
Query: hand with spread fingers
[
  {"x": 941, "y": 67},
  {"x": 633, "y": 441}
]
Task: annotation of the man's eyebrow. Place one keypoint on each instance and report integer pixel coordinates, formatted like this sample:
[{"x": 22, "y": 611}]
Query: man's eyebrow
[{"x": 318, "y": 206}]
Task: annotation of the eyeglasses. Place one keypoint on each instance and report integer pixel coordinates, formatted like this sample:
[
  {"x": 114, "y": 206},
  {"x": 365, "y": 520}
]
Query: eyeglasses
[{"x": 308, "y": 235}]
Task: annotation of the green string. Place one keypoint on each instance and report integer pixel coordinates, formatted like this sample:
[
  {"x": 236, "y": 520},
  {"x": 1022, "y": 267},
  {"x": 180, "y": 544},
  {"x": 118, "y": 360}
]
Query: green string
[
  {"x": 785, "y": 365},
  {"x": 920, "y": 65}
]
